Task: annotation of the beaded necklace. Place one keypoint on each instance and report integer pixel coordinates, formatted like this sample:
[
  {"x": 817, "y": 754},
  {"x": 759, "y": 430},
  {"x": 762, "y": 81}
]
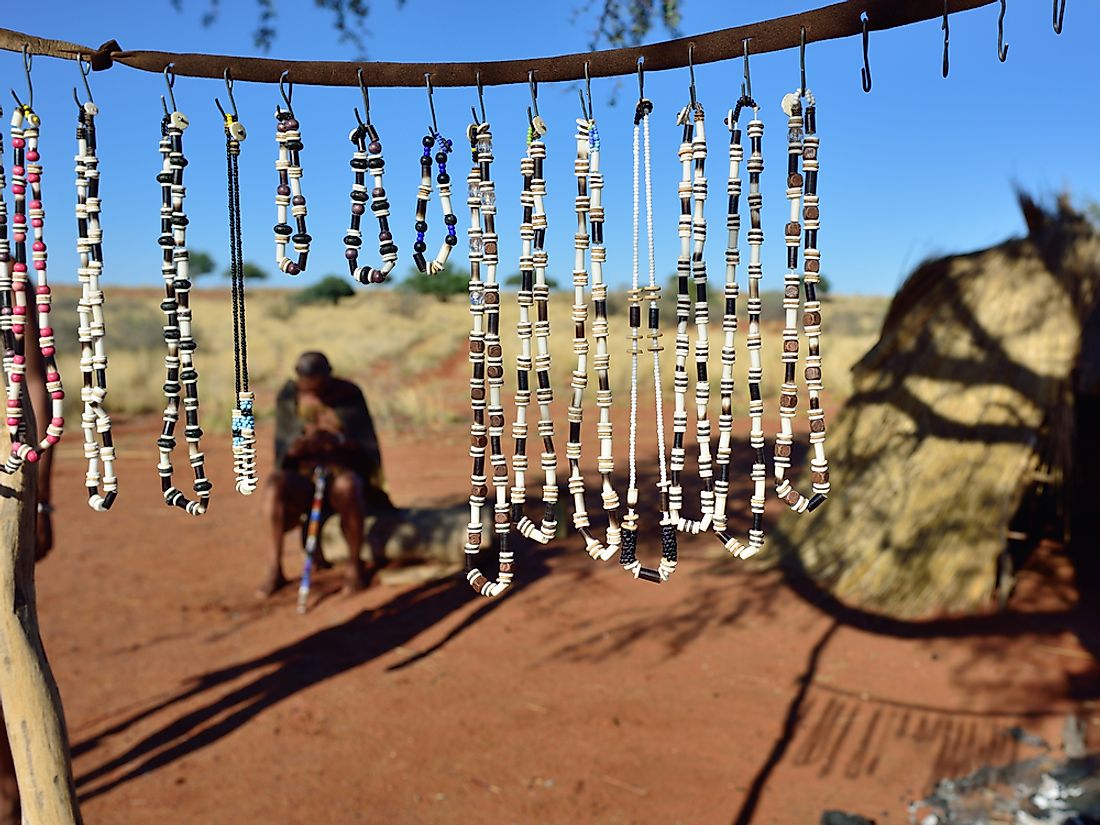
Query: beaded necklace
[
  {"x": 691, "y": 268},
  {"x": 12, "y": 379},
  {"x": 533, "y": 291},
  {"x": 288, "y": 195},
  {"x": 243, "y": 418},
  {"x": 424, "y": 193},
  {"x": 179, "y": 363},
  {"x": 589, "y": 206},
  {"x": 27, "y": 174},
  {"x": 93, "y": 356},
  {"x": 486, "y": 361},
  {"x": 628, "y": 556},
  {"x": 368, "y": 158},
  {"x": 802, "y": 143},
  {"x": 729, "y": 327}
]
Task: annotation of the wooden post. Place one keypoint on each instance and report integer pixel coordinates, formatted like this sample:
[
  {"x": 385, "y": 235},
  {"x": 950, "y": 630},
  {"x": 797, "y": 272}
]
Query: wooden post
[{"x": 28, "y": 693}]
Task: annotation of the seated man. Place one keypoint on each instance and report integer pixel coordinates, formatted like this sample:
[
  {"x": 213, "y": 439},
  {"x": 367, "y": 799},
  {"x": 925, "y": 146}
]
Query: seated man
[{"x": 321, "y": 420}]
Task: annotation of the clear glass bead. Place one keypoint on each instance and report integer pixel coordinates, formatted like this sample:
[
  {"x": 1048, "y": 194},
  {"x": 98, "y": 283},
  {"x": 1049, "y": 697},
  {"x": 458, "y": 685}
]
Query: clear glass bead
[
  {"x": 488, "y": 198},
  {"x": 475, "y": 243},
  {"x": 484, "y": 146},
  {"x": 473, "y": 191}
]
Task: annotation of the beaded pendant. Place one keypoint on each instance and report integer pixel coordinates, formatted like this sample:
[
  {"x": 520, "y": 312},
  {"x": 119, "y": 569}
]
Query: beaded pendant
[
  {"x": 803, "y": 144},
  {"x": 288, "y": 195},
  {"x": 443, "y": 149},
  {"x": 99, "y": 447},
  {"x": 367, "y": 158}
]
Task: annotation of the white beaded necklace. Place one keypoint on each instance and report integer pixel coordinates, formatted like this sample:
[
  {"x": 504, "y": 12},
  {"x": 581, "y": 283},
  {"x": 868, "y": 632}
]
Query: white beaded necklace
[
  {"x": 628, "y": 555},
  {"x": 589, "y": 206},
  {"x": 729, "y": 327},
  {"x": 803, "y": 145},
  {"x": 288, "y": 195},
  {"x": 179, "y": 364},
  {"x": 99, "y": 447},
  {"x": 486, "y": 360},
  {"x": 533, "y": 291}
]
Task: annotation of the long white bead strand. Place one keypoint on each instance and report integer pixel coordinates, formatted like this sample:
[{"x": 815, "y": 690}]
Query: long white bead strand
[
  {"x": 180, "y": 373},
  {"x": 290, "y": 203},
  {"x": 99, "y": 448},
  {"x": 27, "y": 179},
  {"x": 758, "y": 475},
  {"x": 487, "y": 367},
  {"x": 628, "y": 556},
  {"x": 803, "y": 144}
]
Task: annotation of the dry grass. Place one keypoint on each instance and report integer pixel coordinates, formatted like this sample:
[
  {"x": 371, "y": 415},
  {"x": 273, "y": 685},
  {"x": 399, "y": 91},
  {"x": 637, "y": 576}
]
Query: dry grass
[{"x": 407, "y": 351}]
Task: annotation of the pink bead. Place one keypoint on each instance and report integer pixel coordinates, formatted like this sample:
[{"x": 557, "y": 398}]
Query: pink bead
[
  {"x": 19, "y": 217},
  {"x": 18, "y": 143},
  {"x": 58, "y": 422},
  {"x": 58, "y": 394},
  {"x": 18, "y": 329},
  {"x": 32, "y": 155},
  {"x": 12, "y": 403},
  {"x": 46, "y": 332},
  {"x": 20, "y": 237},
  {"x": 32, "y": 456},
  {"x": 32, "y": 177},
  {"x": 18, "y": 188},
  {"x": 47, "y": 352},
  {"x": 52, "y": 439},
  {"x": 39, "y": 246},
  {"x": 39, "y": 265},
  {"x": 13, "y": 422},
  {"x": 19, "y": 310},
  {"x": 16, "y": 378},
  {"x": 44, "y": 289},
  {"x": 19, "y": 268},
  {"x": 36, "y": 204},
  {"x": 17, "y": 171},
  {"x": 19, "y": 359},
  {"x": 36, "y": 223},
  {"x": 44, "y": 309}
]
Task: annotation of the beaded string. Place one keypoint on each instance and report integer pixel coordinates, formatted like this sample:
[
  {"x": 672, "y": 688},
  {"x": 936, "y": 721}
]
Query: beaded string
[
  {"x": 368, "y": 158},
  {"x": 691, "y": 269},
  {"x": 289, "y": 200},
  {"x": 802, "y": 143},
  {"x": 533, "y": 291},
  {"x": 99, "y": 449},
  {"x": 589, "y": 206},
  {"x": 628, "y": 555},
  {"x": 424, "y": 194},
  {"x": 729, "y": 327},
  {"x": 486, "y": 362},
  {"x": 179, "y": 364},
  {"x": 26, "y": 174},
  {"x": 13, "y": 385},
  {"x": 243, "y": 417}
]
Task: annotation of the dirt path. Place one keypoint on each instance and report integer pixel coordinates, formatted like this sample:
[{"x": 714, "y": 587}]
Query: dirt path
[{"x": 723, "y": 697}]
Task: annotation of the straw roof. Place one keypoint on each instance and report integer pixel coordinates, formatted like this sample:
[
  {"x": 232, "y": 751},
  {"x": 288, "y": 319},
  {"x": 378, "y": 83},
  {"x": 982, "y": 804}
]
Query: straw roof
[{"x": 968, "y": 392}]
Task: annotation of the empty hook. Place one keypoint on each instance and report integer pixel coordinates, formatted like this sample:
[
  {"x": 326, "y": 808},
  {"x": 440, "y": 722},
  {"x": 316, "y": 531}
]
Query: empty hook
[
  {"x": 1002, "y": 47},
  {"x": 865, "y": 72},
  {"x": 946, "y": 41},
  {"x": 1059, "y": 16}
]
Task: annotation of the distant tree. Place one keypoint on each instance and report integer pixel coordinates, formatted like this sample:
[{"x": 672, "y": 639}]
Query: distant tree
[
  {"x": 328, "y": 290},
  {"x": 252, "y": 272},
  {"x": 824, "y": 285},
  {"x": 515, "y": 279},
  {"x": 444, "y": 285},
  {"x": 199, "y": 263}
]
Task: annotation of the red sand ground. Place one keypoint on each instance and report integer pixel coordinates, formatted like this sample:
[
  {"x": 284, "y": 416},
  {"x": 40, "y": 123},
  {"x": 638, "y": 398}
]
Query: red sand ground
[{"x": 723, "y": 697}]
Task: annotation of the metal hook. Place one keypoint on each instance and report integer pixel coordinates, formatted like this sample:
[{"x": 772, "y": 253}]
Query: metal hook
[
  {"x": 170, "y": 81},
  {"x": 431, "y": 100},
  {"x": 946, "y": 41},
  {"x": 366, "y": 96},
  {"x": 802, "y": 59},
  {"x": 481, "y": 102},
  {"x": 589, "y": 112},
  {"x": 534, "y": 87},
  {"x": 84, "y": 72},
  {"x": 746, "y": 85},
  {"x": 1059, "y": 16},
  {"x": 1002, "y": 47},
  {"x": 27, "y": 72},
  {"x": 691, "y": 73},
  {"x": 232, "y": 100},
  {"x": 286, "y": 89},
  {"x": 641, "y": 78},
  {"x": 865, "y": 72}
]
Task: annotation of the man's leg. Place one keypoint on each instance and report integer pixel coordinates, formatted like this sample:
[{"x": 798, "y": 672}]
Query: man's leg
[
  {"x": 346, "y": 496},
  {"x": 287, "y": 497}
]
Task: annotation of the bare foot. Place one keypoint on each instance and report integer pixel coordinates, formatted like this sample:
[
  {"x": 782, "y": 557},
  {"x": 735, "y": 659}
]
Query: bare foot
[
  {"x": 272, "y": 583},
  {"x": 357, "y": 579}
]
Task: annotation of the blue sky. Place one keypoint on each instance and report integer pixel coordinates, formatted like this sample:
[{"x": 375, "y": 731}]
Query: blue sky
[{"x": 920, "y": 167}]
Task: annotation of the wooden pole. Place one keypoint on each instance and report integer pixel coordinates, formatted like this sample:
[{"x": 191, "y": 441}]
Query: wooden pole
[{"x": 31, "y": 703}]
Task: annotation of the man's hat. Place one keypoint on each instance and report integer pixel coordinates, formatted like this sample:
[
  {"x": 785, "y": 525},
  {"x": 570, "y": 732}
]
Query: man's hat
[{"x": 313, "y": 365}]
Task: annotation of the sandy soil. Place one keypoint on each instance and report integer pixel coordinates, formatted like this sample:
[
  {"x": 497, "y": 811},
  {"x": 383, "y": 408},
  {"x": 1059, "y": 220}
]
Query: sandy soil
[{"x": 723, "y": 697}]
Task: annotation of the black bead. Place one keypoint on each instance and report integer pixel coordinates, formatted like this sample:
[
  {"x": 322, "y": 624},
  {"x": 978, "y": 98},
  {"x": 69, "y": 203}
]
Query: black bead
[
  {"x": 358, "y": 163},
  {"x": 421, "y": 226},
  {"x": 451, "y": 240},
  {"x": 440, "y": 157},
  {"x": 352, "y": 240},
  {"x": 358, "y": 196},
  {"x": 428, "y": 141},
  {"x": 419, "y": 246},
  {"x": 443, "y": 177},
  {"x": 302, "y": 238},
  {"x": 282, "y": 229},
  {"x": 450, "y": 220}
]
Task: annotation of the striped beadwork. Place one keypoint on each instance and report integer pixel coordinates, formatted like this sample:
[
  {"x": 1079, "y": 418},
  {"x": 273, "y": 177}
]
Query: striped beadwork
[
  {"x": 423, "y": 195},
  {"x": 367, "y": 158},
  {"x": 290, "y": 203}
]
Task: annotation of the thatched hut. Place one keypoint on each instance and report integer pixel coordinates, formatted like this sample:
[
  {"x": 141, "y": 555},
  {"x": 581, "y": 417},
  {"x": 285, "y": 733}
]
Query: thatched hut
[{"x": 969, "y": 420}]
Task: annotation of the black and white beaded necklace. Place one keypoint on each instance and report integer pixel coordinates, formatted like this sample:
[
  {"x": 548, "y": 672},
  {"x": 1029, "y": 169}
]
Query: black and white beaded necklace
[
  {"x": 179, "y": 363},
  {"x": 487, "y": 369},
  {"x": 628, "y": 556},
  {"x": 758, "y": 475},
  {"x": 367, "y": 158},
  {"x": 803, "y": 144},
  {"x": 534, "y": 291},
  {"x": 589, "y": 208},
  {"x": 244, "y": 417},
  {"x": 289, "y": 200},
  {"x": 99, "y": 446},
  {"x": 443, "y": 147}
]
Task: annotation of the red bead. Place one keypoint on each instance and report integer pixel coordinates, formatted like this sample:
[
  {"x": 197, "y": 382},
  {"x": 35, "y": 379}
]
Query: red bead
[
  {"x": 32, "y": 456},
  {"x": 56, "y": 395},
  {"x": 13, "y": 422},
  {"x": 17, "y": 329},
  {"x": 46, "y": 332},
  {"x": 36, "y": 223},
  {"x": 16, "y": 378},
  {"x": 39, "y": 265},
  {"x": 18, "y": 143},
  {"x": 18, "y": 188},
  {"x": 19, "y": 310},
  {"x": 12, "y": 403},
  {"x": 44, "y": 289},
  {"x": 52, "y": 439},
  {"x": 19, "y": 359},
  {"x": 52, "y": 376},
  {"x": 58, "y": 422},
  {"x": 32, "y": 155},
  {"x": 32, "y": 177},
  {"x": 19, "y": 267},
  {"x": 39, "y": 246},
  {"x": 36, "y": 204},
  {"x": 17, "y": 171}
]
